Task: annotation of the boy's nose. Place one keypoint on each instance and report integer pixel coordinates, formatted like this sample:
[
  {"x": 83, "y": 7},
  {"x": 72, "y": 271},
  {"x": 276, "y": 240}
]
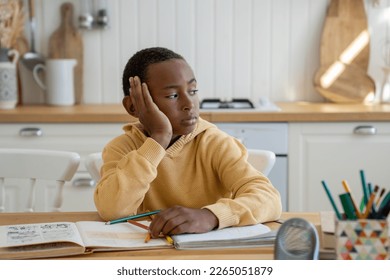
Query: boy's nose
[{"x": 188, "y": 103}]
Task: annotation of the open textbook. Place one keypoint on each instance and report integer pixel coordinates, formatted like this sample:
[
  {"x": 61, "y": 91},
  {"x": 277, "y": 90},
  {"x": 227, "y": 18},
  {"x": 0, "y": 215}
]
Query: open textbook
[
  {"x": 232, "y": 237},
  {"x": 44, "y": 240}
]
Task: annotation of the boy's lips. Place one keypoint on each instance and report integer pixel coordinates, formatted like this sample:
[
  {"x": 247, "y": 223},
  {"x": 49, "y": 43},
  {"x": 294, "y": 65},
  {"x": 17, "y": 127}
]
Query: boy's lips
[{"x": 190, "y": 120}]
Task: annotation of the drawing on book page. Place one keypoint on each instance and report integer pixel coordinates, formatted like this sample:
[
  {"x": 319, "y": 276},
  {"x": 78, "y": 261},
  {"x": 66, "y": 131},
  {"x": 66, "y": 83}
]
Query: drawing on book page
[{"x": 40, "y": 233}]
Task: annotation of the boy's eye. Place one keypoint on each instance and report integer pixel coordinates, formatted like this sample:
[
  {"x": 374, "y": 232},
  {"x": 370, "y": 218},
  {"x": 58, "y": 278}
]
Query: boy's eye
[
  {"x": 172, "y": 96},
  {"x": 193, "y": 92}
]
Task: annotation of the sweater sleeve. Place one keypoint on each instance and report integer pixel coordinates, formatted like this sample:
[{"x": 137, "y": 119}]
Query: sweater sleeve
[
  {"x": 253, "y": 198},
  {"x": 126, "y": 175}
]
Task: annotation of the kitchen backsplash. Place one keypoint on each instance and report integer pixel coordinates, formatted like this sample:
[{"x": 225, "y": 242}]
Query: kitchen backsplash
[{"x": 237, "y": 48}]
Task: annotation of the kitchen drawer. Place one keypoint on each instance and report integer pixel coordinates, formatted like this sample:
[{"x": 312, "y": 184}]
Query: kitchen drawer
[{"x": 81, "y": 138}]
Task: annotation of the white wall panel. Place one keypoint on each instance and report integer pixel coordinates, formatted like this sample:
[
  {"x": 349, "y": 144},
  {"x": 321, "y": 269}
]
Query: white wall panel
[
  {"x": 242, "y": 48},
  {"x": 262, "y": 48},
  {"x": 223, "y": 49},
  {"x": 205, "y": 46},
  {"x": 316, "y": 18},
  {"x": 93, "y": 66},
  {"x": 111, "y": 72},
  {"x": 298, "y": 49},
  {"x": 238, "y": 48},
  {"x": 147, "y": 23},
  {"x": 280, "y": 39},
  {"x": 166, "y": 24},
  {"x": 128, "y": 32},
  {"x": 185, "y": 30}
]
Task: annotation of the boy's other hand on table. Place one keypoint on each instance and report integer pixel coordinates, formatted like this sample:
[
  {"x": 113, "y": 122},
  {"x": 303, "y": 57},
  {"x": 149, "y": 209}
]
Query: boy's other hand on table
[{"x": 178, "y": 219}]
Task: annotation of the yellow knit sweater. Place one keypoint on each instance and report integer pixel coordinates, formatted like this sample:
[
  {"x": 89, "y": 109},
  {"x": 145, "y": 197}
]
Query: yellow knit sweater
[{"x": 204, "y": 169}]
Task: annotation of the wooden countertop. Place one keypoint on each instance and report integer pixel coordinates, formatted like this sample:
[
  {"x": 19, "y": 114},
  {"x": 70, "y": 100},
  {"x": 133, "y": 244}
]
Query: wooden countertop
[{"x": 115, "y": 113}]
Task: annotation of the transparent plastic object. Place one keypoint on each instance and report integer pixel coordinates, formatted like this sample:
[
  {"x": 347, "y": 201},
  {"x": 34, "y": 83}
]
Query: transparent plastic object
[{"x": 297, "y": 239}]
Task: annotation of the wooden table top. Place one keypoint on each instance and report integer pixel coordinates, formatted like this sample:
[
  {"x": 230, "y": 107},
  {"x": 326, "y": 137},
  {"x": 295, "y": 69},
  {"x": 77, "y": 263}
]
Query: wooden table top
[{"x": 263, "y": 253}]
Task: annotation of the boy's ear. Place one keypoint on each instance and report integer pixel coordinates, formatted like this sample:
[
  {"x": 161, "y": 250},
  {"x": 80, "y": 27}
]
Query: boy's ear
[{"x": 129, "y": 106}]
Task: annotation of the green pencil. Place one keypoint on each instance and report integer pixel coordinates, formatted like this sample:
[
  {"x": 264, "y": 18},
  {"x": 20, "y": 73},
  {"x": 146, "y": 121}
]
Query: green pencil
[
  {"x": 364, "y": 187},
  {"x": 125, "y": 219},
  {"x": 331, "y": 200}
]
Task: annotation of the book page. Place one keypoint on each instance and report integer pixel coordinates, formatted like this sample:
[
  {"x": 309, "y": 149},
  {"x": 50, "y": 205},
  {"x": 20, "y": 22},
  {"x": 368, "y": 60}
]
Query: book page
[
  {"x": 231, "y": 233},
  {"x": 119, "y": 236},
  {"x": 232, "y": 237},
  {"x": 30, "y": 234}
]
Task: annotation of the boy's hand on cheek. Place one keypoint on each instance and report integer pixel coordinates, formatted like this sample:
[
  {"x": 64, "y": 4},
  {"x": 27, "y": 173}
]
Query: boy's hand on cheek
[
  {"x": 155, "y": 122},
  {"x": 178, "y": 219}
]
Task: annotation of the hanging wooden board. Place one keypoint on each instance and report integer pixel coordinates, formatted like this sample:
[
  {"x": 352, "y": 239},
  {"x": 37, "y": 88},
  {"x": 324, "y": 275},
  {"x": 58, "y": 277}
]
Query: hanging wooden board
[
  {"x": 345, "y": 34},
  {"x": 344, "y": 84},
  {"x": 66, "y": 42}
]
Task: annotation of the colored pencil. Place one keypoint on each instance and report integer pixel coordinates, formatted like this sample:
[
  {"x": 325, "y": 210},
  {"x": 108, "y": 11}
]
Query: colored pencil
[
  {"x": 148, "y": 235},
  {"x": 364, "y": 186},
  {"x": 138, "y": 224},
  {"x": 331, "y": 200},
  {"x": 383, "y": 190},
  {"x": 348, "y": 190},
  {"x": 125, "y": 219},
  {"x": 370, "y": 202}
]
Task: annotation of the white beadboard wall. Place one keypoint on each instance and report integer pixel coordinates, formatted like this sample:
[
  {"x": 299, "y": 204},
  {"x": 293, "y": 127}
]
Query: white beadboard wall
[{"x": 237, "y": 48}]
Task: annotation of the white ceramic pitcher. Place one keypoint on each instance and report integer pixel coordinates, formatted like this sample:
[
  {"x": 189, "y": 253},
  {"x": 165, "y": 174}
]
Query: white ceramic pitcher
[{"x": 59, "y": 86}]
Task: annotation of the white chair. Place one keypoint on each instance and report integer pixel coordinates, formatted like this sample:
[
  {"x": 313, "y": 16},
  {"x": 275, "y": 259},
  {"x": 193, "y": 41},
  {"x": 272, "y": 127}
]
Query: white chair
[
  {"x": 36, "y": 165},
  {"x": 93, "y": 163},
  {"x": 262, "y": 160}
]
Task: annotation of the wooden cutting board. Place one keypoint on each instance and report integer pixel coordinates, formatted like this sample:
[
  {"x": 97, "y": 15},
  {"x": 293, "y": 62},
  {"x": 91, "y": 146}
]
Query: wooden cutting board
[
  {"x": 345, "y": 42},
  {"x": 66, "y": 42},
  {"x": 344, "y": 84},
  {"x": 345, "y": 26}
]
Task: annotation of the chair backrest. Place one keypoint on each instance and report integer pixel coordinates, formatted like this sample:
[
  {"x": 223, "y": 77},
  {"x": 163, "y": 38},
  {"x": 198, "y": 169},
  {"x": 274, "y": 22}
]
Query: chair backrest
[
  {"x": 33, "y": 165},
  {"x": 93, "y": 163},
  {"x": 262, "y": 160}
]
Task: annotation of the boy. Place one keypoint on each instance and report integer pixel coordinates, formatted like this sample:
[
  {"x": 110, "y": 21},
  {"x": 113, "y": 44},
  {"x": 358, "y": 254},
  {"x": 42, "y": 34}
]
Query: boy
[{"x": 175, "y": 161}]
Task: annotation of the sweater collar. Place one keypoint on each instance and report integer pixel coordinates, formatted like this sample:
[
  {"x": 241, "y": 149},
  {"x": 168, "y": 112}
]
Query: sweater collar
[{"x": 201, "y": 126}]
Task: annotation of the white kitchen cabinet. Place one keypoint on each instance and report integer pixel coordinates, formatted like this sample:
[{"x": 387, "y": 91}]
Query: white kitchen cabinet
[
  {"x": 82, "y": 138},
  {"x": 334, "y": 152}
]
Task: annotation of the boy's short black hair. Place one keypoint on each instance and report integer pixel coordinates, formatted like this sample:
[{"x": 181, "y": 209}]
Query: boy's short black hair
[{"x": 138, "y": 64}]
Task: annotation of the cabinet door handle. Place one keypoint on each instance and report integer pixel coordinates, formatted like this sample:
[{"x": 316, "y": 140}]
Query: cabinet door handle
[
  {"x": 365, "y": 130},
  {"x": 31, "y": 132},
  {"x": 84, "y": 182}
]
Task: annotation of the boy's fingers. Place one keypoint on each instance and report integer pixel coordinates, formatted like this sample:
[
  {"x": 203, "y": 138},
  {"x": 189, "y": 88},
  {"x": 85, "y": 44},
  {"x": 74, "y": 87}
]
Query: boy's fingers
[
  {"x": 159, "y": 223},
  {"x": 147, "y": 98},
  {"x": 136, "y": 93}
]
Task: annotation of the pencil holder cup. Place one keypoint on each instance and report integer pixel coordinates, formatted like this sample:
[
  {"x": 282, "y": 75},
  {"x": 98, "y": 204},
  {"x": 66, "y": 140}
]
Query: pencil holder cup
[{"x": 364, "y": 239}]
